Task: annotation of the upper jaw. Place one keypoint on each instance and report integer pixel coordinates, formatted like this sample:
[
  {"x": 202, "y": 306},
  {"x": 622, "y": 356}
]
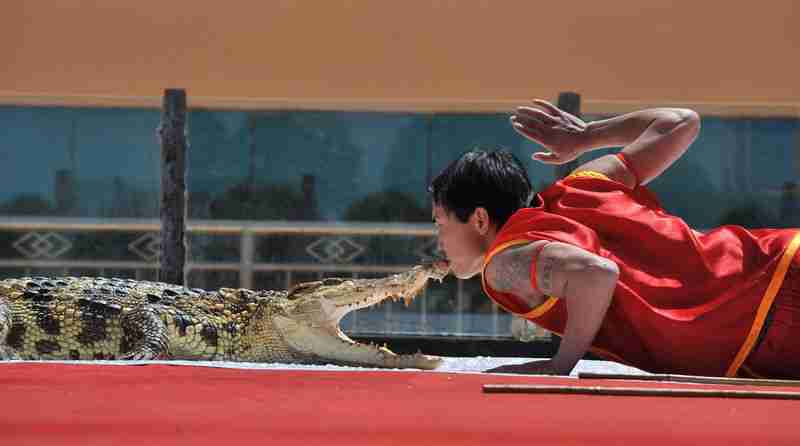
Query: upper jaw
[{"x": 362, "y": 293}]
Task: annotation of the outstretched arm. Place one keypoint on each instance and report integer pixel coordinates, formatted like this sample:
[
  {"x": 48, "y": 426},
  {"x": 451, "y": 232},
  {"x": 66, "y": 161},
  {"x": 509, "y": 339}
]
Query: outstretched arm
[
  {"x": 584, "y": 280},
  {"x": 652, "y": 139}
]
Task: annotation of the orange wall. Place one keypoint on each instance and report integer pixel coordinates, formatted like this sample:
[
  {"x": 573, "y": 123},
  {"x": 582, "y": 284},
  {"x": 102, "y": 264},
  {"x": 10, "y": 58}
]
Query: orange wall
[{"x": 720, "y": 56}]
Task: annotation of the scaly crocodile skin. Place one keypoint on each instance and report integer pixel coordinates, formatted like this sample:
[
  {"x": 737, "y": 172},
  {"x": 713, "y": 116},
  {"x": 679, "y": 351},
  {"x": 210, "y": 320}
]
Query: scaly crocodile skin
[{"x": 101, "y": 318}]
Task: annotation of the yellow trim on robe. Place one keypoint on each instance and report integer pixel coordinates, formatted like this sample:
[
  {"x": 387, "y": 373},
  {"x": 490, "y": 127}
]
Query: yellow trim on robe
[
  {"x": 541, "y": 309},
  {"x": 588, "y": 174},
  {"x": 766, "y": 302}
]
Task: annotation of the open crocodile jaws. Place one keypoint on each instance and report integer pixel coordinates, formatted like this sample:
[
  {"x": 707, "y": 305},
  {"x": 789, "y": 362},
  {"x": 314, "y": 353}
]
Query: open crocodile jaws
[
  {"x": 99, "y": 318},
  {"x": 313, "y": 326}
]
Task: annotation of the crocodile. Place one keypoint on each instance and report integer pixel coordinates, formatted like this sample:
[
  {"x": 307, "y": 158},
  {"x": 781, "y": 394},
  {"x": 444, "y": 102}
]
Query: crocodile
[{"x": 87, "y": 318}]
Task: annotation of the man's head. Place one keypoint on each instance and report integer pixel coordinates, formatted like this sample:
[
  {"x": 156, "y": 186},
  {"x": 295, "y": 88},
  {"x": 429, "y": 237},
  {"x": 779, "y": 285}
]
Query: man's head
[{"x": 473, "y": 197}]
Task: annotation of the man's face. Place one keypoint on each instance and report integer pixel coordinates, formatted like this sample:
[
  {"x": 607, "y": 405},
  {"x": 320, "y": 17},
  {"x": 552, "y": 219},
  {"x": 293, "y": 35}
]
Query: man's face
[{"x": 464, "y": 244}]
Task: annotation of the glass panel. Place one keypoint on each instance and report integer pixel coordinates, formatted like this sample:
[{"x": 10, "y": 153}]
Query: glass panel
[
  {"x": 293, "y": 196},
  {"x": 79, "y": 162}
]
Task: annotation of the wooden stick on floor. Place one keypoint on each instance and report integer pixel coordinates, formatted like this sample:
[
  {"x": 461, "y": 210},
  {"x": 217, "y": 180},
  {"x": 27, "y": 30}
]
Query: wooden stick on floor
[
  {"x": 640, "y": 391},
  {"x": 694, "y": 379}
]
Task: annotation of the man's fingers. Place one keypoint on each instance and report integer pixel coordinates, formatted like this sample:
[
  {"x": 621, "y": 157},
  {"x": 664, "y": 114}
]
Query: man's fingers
[
  {"x": 547, "y": 106},
  {"x": 529, "y": 113},
  {"x": 527, "y": 131}
]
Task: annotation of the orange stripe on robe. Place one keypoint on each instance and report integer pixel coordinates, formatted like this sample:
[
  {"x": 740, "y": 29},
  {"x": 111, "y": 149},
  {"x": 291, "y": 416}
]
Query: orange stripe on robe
[{"x": 686, "y": 302}]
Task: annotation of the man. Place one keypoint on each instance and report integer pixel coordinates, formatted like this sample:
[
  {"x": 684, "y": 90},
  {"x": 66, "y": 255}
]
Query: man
[{"x": 596, "y": 259}]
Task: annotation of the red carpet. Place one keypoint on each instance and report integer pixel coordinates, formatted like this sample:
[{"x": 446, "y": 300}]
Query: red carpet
[{"x": 59, "y": 404}]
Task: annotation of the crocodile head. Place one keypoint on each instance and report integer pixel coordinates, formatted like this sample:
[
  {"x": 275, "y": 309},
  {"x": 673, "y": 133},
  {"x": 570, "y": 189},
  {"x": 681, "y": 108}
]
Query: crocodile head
[{"x": 310, "y": 322}]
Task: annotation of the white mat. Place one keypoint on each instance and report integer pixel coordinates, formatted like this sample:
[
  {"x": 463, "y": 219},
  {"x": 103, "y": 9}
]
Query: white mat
[{"x": 449, "y": 365}]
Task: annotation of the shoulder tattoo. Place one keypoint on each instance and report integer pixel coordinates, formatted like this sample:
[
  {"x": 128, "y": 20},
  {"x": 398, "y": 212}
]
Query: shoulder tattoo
[
  {"x": 512, "y": 271},
  {"x": 546, "y": 274}
]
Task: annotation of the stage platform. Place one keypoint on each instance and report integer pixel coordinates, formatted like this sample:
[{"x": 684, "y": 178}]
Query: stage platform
[{"x": 199, "y": 403}]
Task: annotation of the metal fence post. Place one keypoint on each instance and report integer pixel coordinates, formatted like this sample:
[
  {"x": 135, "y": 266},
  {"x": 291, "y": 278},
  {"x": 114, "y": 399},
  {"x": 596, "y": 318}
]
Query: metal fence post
[{"x": 246, "y": 256}]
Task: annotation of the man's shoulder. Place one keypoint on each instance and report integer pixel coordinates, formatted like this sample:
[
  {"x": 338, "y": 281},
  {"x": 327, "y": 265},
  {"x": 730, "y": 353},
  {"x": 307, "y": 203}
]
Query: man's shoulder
[
  {"x": 513, "y": 257},
  {"x": 584, "y": 188},
  {"x": 510, "y": 272},
  {"x": 592, "y": 180}
]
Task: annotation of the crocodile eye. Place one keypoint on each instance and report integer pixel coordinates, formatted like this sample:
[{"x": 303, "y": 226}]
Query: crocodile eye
[
  {"x": 301, "y": 288},
  {"x": 332, "y": 281}
]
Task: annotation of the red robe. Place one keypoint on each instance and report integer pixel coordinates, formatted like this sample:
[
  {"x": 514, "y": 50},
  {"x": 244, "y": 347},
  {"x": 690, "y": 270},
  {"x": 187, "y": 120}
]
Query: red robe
[{"x": 686, "y": 302}]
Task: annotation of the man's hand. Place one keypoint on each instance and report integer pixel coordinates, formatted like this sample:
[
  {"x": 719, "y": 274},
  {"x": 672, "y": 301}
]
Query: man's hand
[
  {"x": 558, "y": 131},
  {"x": 544, "y": 367}
]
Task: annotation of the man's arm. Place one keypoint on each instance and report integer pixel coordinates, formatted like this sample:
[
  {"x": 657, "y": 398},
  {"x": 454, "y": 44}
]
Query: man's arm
[
  {"x": 584, "y": 280},
  {"x": 652, "y": 139}
]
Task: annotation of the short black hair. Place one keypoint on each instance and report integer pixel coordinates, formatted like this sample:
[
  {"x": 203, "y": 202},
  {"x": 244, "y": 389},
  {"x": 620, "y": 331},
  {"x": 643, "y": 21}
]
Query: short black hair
[{"x": 494, "y": 180}]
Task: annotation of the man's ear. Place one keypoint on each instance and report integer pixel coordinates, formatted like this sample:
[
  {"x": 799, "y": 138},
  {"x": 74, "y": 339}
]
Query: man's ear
[{"x": 480, "y": 220}]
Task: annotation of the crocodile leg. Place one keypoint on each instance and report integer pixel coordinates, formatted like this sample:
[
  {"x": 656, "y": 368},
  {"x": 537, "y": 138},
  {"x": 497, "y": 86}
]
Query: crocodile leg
[{"x": 144, "y": 336}]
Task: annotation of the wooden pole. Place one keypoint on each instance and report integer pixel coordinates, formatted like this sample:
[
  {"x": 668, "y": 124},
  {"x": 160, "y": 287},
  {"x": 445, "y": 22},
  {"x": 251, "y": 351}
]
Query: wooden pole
[
  {"x": 694, "y": 379},
  {"x": 571, "y": 103},
  {"x": 639, "y": 391},
  {"x": 173, "y": 187}
]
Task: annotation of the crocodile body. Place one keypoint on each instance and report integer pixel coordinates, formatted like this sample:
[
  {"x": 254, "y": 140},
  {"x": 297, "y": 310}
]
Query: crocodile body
[{"x": 101, "y": 318}]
